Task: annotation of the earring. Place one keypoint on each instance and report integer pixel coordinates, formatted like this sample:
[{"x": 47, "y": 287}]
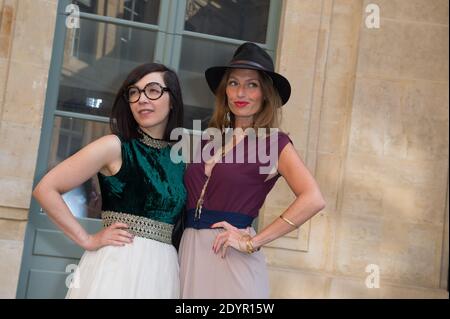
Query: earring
[{"x": 226, "y": 122}]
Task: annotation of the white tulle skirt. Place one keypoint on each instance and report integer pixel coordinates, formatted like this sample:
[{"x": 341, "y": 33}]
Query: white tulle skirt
[{"x": 144, "y": 269}]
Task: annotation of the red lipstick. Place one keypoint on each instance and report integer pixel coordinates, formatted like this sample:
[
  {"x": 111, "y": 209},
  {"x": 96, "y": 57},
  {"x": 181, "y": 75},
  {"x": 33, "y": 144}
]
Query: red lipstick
[{"x": 241, "y": 103}]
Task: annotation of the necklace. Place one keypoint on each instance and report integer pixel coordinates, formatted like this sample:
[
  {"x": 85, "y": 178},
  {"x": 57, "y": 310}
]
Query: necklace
[
  {"x": 200, "y": 201},
  {"x": 152, "y": 142}
]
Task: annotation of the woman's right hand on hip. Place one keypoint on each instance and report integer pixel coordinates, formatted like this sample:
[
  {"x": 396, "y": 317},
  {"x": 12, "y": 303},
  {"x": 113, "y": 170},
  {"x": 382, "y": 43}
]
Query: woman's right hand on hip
[{"x": 113, "y": 235}]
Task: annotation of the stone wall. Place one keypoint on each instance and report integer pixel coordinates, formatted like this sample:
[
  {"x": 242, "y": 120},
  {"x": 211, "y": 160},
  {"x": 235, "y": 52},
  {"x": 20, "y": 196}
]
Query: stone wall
[
  {"x": 26, "y": 40},
  {"x": 369, "y": 116}
]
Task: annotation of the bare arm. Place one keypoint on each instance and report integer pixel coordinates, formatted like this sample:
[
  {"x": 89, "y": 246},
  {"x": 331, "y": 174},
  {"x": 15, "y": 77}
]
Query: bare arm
[
  {"x": 308, "y": 202},
  {"x": 103, "y": 154}
]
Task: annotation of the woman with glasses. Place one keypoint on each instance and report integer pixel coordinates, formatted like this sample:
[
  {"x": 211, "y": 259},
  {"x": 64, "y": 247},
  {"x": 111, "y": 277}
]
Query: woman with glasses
[{"x": 142, "y": 193}]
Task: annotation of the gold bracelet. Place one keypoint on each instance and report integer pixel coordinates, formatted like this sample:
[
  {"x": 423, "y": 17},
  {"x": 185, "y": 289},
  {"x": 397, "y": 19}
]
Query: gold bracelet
[
  {"x": 248, "y": 244},
  {"x": 250, "y": 248},
  {"x": 288, "y": 221}
]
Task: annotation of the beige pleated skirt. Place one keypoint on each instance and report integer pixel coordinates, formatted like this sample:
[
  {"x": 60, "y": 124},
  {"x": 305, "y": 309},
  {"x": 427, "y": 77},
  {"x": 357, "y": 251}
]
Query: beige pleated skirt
[{"x": 206, "y": 275}]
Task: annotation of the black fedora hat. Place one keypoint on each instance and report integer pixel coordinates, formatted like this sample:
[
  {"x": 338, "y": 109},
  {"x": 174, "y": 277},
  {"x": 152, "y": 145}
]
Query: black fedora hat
[{"x": 250, "y": 56}]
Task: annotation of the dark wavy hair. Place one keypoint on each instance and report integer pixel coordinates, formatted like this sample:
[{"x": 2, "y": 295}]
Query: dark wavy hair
[{"x": 122, "y": 121}]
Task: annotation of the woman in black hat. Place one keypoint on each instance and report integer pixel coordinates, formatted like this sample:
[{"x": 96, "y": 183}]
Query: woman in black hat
[{"x": 219, "y": 251}]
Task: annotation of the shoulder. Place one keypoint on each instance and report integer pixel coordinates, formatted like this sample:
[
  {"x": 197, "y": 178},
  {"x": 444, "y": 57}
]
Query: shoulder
[
  {"x": 278, "y": 135},
  {"x": 110, "y": 141},
  {"x": 109, "y": 145},
  {"x": 283, "y": 138},
  {"x": 279, "y": 140}
]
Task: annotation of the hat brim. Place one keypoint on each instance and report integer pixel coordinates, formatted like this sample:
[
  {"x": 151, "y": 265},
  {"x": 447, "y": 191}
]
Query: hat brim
[{"x": 215, "y": 74}]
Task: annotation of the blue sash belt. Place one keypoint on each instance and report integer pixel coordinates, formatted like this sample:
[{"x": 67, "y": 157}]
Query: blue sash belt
[{"x": 210, "y": 217}]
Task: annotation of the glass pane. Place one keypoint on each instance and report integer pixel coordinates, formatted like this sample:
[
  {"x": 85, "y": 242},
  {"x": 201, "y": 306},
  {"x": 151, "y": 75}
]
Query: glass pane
[
  {"x": 97, "y": 58},
  {"x": 145, "y": 11},
  {"x": 69, "y": 136},
  {"x": 196, "y": 56},
  {"x": 238, "y": 19}
]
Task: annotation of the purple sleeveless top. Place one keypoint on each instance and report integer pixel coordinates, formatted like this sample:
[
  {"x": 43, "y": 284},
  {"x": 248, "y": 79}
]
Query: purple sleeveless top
[{"x": 236, "y": 187}]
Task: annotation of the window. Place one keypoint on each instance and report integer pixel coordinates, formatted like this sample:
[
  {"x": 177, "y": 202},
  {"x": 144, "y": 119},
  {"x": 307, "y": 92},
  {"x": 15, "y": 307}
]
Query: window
[{"x": 239, "y": 19}]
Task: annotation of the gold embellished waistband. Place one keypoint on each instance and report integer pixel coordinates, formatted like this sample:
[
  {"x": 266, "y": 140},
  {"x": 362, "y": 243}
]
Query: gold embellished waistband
[{"x": 140, "y": 226}]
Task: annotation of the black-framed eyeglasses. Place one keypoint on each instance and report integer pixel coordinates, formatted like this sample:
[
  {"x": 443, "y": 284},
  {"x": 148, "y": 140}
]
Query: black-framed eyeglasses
[{"x": 152, "y": 91}]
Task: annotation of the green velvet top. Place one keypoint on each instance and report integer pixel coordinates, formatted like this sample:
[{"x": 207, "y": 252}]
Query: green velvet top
[{"x": 148, "y": 183}]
